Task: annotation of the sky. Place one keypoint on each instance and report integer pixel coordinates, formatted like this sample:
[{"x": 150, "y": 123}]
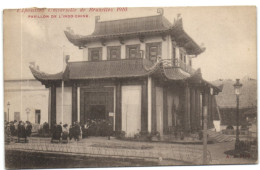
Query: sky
[{"x": 228, "y": 33}]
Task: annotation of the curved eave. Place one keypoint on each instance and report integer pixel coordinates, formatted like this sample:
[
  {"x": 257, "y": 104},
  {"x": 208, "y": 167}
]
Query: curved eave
[
  {"x": 184, "y": 40},
  {"x": 45, "y": 77},
  {"x": 80, "y": 41}
]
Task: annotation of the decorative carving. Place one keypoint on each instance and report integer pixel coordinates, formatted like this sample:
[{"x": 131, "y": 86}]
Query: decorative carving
[
  {"x": 163, "y": 37},
  {"x": 160, "y": 11},
  {"x": 121, "y": 40},
  {"x": 141, "y": 38},
  {"x": 67, "y": 59},
  {"x": 103, "y": 42}
]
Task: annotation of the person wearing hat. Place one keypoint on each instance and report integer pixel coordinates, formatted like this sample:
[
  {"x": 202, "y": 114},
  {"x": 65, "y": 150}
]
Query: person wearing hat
[
  {"x": 65, "y": 133},
  {"x": 7, "y": 133},
  {"x": 77, "y": 131},
  {"x": 59, "y": 131},
  {"x": 28, "y": 128}
]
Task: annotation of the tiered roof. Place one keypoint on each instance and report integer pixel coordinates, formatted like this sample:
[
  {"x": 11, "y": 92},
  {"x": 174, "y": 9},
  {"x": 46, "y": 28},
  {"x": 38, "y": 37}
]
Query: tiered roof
[
  {"x": 127, "y": 68},
  {"x": 137, "y": 27}
]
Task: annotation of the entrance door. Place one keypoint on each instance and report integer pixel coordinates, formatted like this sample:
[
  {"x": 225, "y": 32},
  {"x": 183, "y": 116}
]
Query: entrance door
[
  {"x": 38, "y": 116},
  {"x": 131, "y": 110},
  {"x": 95, "y": 105}
]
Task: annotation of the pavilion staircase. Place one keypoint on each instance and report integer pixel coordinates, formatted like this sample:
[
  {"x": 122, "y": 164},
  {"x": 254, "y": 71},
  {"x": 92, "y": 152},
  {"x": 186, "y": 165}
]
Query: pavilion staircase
[{"x": 219, "y": 137}]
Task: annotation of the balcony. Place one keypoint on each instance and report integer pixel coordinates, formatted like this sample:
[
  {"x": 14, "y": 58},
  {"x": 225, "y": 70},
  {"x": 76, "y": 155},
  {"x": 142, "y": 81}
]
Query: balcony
[{"x": 177, "y": 63}]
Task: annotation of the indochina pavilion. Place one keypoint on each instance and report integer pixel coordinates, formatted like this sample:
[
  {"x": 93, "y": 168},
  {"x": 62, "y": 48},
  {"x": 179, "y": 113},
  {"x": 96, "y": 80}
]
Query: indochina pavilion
[{"x": 137, "y": 72}]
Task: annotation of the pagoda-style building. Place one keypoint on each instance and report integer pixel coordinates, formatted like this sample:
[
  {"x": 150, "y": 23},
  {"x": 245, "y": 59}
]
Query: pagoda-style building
[{"x": 136, "y": 72}]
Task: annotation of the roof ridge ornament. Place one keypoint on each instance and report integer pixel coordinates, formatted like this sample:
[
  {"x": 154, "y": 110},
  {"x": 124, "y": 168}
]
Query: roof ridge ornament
[
  {"x": 178, "y": 20},
  {"x": 160, "y": 11},
  {"x": 68, "y": 29}
]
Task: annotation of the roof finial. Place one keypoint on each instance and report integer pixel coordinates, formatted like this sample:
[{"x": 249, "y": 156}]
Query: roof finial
[
  {"x": 160, "y": 11},
  {"x": 69, "y": 30},
  {"x": 67, "y": 58},
  {"x": 178, "y": 16},
  {"x": 97, "y": 18}
]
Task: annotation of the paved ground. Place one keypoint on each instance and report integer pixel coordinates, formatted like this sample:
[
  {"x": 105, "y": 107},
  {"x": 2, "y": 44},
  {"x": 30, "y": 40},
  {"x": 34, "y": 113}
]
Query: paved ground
[
  {"x": 163, "y": 153},
  {"x": 219, "y": 157},
  {"x": 31, "y": 160}
]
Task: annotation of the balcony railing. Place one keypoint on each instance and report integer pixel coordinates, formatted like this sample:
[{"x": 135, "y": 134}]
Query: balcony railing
[{"x": 178, "y": 64}]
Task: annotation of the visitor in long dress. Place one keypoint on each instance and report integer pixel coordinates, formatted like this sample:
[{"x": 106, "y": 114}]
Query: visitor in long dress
[
  {"x": 21, "y": 131},
  {"x": 71, "y": 132},
  {"x": 59, "y": 131},
  {"x": 76, "y": 131},
  {"x": 28, "y": 128},
  {"x": 65, "y": 133},
  {"x": 12, "y": 128}
]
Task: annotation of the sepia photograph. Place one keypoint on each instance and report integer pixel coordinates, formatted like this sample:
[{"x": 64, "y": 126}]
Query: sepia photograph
[{"x": 130, "y": 87}]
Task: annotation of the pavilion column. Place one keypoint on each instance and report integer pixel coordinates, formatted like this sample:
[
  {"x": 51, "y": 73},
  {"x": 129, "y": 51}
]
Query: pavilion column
[
  {"x": 154, "y": 123},
  {"x": 192, "y": 109},
  {"x": 144, "y": 108},
  {"x": 149, "y": 103},
  {"x": 118, "y": 119},
  {"x": 53, "y": 105},
  {"x": 204, "y": 103},
  {"x": 165, "y": 109},
  {"x": 74, "y": 103},
  {"x": 186, "y": 108},
  {"x": 209, "y": 111},
  {"x": 197, "y": 108}
]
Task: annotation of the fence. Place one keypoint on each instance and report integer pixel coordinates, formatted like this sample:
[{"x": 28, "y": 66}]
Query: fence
[{"x": 184, "y": 153}]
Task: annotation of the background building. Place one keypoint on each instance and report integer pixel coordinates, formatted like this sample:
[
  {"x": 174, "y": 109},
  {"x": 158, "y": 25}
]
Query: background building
[{"x": 28, "y": 100}]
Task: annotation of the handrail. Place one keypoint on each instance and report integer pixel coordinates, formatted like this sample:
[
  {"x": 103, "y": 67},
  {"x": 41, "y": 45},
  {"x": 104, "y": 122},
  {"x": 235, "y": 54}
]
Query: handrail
[{"x": 178, "y": 64}]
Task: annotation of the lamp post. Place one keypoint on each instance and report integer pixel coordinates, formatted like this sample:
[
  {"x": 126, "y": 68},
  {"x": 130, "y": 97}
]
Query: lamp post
[
  {"x": 237, "y": 87},
  {"x": 8, "y": 106}
]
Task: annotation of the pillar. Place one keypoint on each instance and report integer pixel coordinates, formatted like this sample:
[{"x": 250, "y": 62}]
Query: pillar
[
  {"x": 165, "y": 109},
  {"x": 197, "y": 108},
  {"x": 118, "y": 122},
  {"x": 204, "y": 102},
  {"x": 144, "y": 108},
  {"x": 53, "y": 105},
  {"x": 78, "y": 103},
  {"x": 154, "y": 124},
  {"x": 74, "y": 103},
  {"x": 192, "y": 109},
  {"x": 210, "y": 119},
  {"x": 187, "y": 108},
  {"x": 149, "y": 103}
]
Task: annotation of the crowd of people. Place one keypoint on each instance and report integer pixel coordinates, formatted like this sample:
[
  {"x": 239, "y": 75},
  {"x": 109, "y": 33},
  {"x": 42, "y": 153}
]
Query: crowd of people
[
  {"x": 59, "y": 132},
  {"x": 20, "y": 129},
  {"x": 62, "y": 132}
]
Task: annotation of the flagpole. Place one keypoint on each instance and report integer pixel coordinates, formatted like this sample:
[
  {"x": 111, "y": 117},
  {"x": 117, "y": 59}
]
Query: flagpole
[{"x": 62, "y": 86}]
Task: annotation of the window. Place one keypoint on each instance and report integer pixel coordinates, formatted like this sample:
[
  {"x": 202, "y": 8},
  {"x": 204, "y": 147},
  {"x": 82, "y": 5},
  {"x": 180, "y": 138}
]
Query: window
[
  {"x": 182, "y": 56},
  {"x": 133, "y": 51},
  {"x": 190, "y": 62},
  {"x": 17, "y": 116},
  {"x": 153, "y": 50},
  {"x": 114, "y": 53},
  {"x": 173, "y": 52},
  {"x": 38, "y": 116},
  {"x": 95, "y": 54}
]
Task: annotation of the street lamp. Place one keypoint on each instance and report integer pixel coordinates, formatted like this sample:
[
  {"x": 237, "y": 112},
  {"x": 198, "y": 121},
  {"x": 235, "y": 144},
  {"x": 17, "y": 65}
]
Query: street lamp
[
  {"x": 8, "y": 106},
  {"x": 237, "y": 87}
]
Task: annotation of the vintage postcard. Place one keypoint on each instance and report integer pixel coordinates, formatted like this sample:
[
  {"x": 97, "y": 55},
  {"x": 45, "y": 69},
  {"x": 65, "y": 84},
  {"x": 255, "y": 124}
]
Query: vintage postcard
[{"x": 127, "y": 87}]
